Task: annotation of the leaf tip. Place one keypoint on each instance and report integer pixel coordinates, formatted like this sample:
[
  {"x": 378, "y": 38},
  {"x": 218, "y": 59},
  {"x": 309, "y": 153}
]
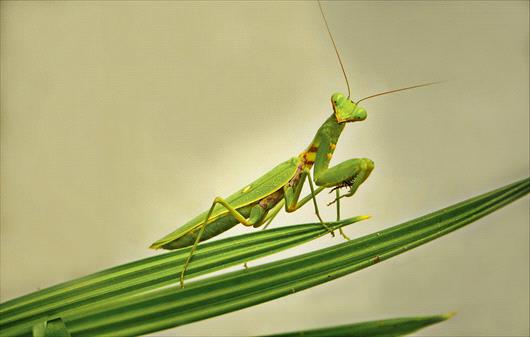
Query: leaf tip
[
  {"x": 449, "y": 315},
  {"x": 154, "y": 246}
]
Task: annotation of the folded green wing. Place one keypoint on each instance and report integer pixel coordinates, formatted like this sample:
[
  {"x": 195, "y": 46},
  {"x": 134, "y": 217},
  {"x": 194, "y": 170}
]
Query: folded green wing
[{"x": 263, "y": 186}]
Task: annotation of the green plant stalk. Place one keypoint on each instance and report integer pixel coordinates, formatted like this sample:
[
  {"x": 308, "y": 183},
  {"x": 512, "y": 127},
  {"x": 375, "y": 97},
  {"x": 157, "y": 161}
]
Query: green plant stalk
[
  {"x": 387, "y": 328},
  {"x": 153, "y": 273},
  {"x": 170, "y": 306}
]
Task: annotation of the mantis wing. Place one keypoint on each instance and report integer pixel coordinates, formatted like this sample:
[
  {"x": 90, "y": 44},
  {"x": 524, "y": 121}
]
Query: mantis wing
[{"x": 260, "y": 188}]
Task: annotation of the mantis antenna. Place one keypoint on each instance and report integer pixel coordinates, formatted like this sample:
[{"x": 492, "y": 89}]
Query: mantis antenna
[
  {"x": 334, "y": 46},
  {"x": 396, "y": 90},
  {"x": 344, "y": 71}
]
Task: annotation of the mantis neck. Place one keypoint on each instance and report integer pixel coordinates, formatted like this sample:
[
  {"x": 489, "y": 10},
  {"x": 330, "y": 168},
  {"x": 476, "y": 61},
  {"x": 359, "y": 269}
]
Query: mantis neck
[{"x": 320, "y": 151}]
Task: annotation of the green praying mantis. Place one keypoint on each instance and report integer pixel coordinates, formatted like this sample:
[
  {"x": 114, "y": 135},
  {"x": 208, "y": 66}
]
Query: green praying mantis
[{"x": 260, "y": 201}]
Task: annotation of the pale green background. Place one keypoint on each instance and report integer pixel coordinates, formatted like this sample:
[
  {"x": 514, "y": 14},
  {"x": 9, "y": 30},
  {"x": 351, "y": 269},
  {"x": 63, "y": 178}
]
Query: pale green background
[{"x": 122, "y": 120}]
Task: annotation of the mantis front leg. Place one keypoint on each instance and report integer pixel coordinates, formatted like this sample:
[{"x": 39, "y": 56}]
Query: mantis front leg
[{"x": 350, "y": 173}]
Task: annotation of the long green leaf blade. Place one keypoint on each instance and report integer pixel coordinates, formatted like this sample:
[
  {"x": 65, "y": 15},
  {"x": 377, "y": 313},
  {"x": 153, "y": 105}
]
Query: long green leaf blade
[
  {"x": 171, "y": 306},
  {"x": 168, "y": 306},
  {"x": 382, "y": 328},
  {"x": 19, "y": 315}
]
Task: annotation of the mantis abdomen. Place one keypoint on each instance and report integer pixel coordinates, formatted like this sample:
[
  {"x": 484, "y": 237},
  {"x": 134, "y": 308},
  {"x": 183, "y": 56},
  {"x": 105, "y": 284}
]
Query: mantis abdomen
[{"x": 214, "y": 228}]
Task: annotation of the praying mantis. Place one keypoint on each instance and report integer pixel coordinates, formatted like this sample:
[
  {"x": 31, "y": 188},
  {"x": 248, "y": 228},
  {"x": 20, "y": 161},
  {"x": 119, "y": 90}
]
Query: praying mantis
[{"x": 260, "y": 201}]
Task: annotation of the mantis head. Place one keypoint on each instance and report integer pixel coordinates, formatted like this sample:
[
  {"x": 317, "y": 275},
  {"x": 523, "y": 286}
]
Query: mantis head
[{"x": 346, "y": 110}]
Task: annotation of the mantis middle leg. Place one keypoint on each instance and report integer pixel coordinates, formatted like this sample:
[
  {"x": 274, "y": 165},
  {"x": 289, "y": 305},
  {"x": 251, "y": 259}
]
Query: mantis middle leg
[{"x": 292, "y": 194}]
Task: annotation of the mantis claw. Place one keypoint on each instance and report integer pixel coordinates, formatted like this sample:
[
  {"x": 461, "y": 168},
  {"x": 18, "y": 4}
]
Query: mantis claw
[
  {"x": 349, "y": 194},
  {"x": 334, "y": 201}
]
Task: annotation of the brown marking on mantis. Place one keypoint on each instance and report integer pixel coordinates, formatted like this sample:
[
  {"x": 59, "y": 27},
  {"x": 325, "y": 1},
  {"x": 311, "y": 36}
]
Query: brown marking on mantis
[{"x": 271, "y": 200}]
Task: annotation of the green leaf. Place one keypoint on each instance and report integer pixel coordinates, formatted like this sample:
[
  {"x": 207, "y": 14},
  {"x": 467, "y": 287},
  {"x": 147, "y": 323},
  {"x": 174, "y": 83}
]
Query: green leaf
[
  {"x": 382, "y": 328},
  {"x": 166, "y": 306},
  {"x": 19, "y": 315}
]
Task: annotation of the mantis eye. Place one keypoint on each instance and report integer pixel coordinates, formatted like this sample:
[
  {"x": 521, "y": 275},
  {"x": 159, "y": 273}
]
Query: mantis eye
[{"x": 337, "y": 99}]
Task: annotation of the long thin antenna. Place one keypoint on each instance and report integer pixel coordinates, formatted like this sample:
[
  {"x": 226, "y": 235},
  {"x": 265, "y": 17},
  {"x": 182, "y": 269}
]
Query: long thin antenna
[
  {"x": 396, "y": 90},
  {"x": 335, "y": 46}
]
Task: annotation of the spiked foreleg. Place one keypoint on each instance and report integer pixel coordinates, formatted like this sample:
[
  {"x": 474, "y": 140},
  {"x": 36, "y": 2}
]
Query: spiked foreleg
[{"x": 350, "y": 173}]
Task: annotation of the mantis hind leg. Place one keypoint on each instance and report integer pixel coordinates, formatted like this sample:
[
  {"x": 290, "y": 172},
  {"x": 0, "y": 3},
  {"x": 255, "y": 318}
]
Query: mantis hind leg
[{"x": 257, "y": 214}]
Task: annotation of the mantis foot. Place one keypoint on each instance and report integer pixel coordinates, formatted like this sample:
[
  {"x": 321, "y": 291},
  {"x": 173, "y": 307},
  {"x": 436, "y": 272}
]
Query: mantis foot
[
  {"x": 349, "y": 194},
  {"x": 336, "y": 200}
]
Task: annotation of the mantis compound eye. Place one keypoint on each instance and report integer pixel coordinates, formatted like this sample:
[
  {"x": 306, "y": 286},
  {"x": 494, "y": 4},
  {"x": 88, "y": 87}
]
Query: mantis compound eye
[
  {"x": 338, "y": 99},
  {"x": 360, "y": 114}
]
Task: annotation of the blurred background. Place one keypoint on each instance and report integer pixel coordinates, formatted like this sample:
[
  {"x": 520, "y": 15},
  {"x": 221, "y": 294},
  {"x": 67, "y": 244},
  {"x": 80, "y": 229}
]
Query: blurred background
[{"x": 122, "y": 120}]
